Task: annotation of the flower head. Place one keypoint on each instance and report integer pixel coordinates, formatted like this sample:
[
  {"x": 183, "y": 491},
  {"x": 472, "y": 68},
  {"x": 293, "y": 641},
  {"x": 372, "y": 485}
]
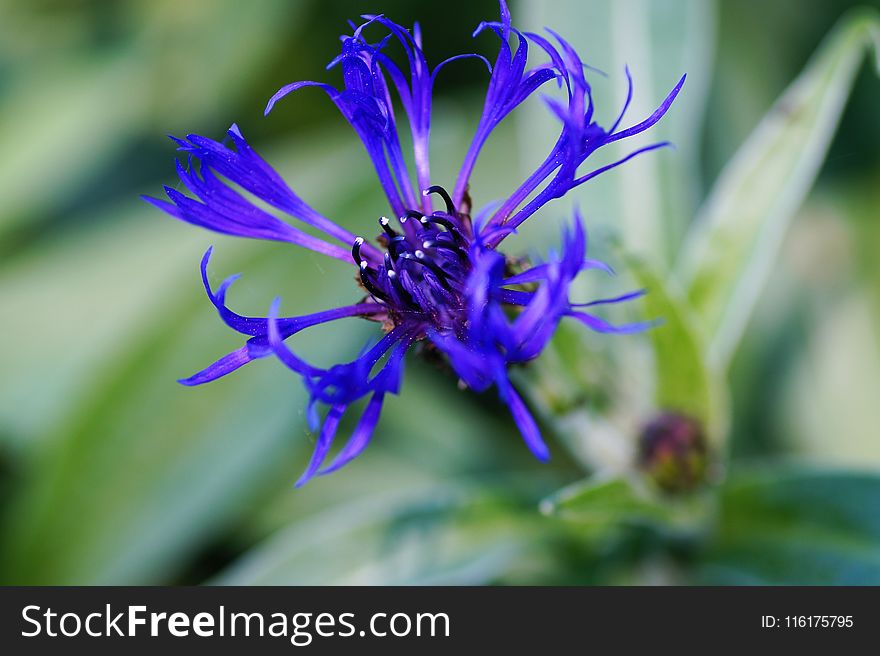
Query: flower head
[{"x": 435, "y": 275}]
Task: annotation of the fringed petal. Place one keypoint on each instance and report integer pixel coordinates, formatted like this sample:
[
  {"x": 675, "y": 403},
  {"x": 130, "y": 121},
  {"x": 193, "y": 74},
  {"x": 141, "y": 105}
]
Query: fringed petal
[
  {"x": 658, "y": 113},
  {"x": 218, "y": 207},
  {"x": 509, "y": 85},
  {"x": 387, "y": 381},
  {"x": 617, "y": 299},
  {"x": 580, "y": 137},
  {"x": 602, "y": 326},
  {"x": 366, "y": 105},
  {"x": 225, "y": 365},
  {"x": 527, "y": 426},
  {"x": 323, "y": 443},
  {"x": 361, "y": 435},
  {"x": 287, "y": 326},
  {"x": 592, "y": 174}
]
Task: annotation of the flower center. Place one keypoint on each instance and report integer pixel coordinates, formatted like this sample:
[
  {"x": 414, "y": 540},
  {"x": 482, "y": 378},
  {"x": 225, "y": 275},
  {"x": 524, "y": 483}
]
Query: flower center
[{"x": 424, "y": 269}]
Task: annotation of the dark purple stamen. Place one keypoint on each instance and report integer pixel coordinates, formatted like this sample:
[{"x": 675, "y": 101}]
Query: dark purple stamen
[
  {"x": 384, "y": 222},
  {"x": 369, "y": 284},
  {"x": 419, "y": 257},
  {"x": 407, "y": 258},
  {"x": 395, "y": 245},
  {"x": 356, "y": 250},
  {"x": 430, "y": 244},
  {"x": 446, "y": 223},
  {"x": 437, "y": 189},
  {"x": 402, "y": 292}
]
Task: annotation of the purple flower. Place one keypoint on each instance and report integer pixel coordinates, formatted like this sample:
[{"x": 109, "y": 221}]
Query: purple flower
[{"x": 434, "y": 278}]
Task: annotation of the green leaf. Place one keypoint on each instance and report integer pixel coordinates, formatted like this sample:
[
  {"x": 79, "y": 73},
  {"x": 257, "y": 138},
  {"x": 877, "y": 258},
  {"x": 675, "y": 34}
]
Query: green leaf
[
  {"x": 598, "y": 505},
  {"x": 75, "y": 275},
  {"x": 731, "y": 250},
  {"x": 423, "y": 535},
  {"x": 797, "y": 525},
  {"x": 683, "y": 381}
]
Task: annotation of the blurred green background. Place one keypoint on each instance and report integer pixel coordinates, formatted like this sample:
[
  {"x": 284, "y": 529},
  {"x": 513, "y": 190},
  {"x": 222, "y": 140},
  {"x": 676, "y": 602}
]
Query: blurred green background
[{"x": 110, "y": 472}]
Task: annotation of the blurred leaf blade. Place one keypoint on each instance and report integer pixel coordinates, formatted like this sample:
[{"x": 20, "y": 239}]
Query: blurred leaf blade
[
  {"x": 797, "y": 525},
  {"x": 602, "y": 503},
  {"x": 599, "y": 507},
  {"x": 684, "y": 382},
  {"x": 88, "y": 125},
  {"x": 733, "y": 244},
  {"x": 428, "y": 535}
]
